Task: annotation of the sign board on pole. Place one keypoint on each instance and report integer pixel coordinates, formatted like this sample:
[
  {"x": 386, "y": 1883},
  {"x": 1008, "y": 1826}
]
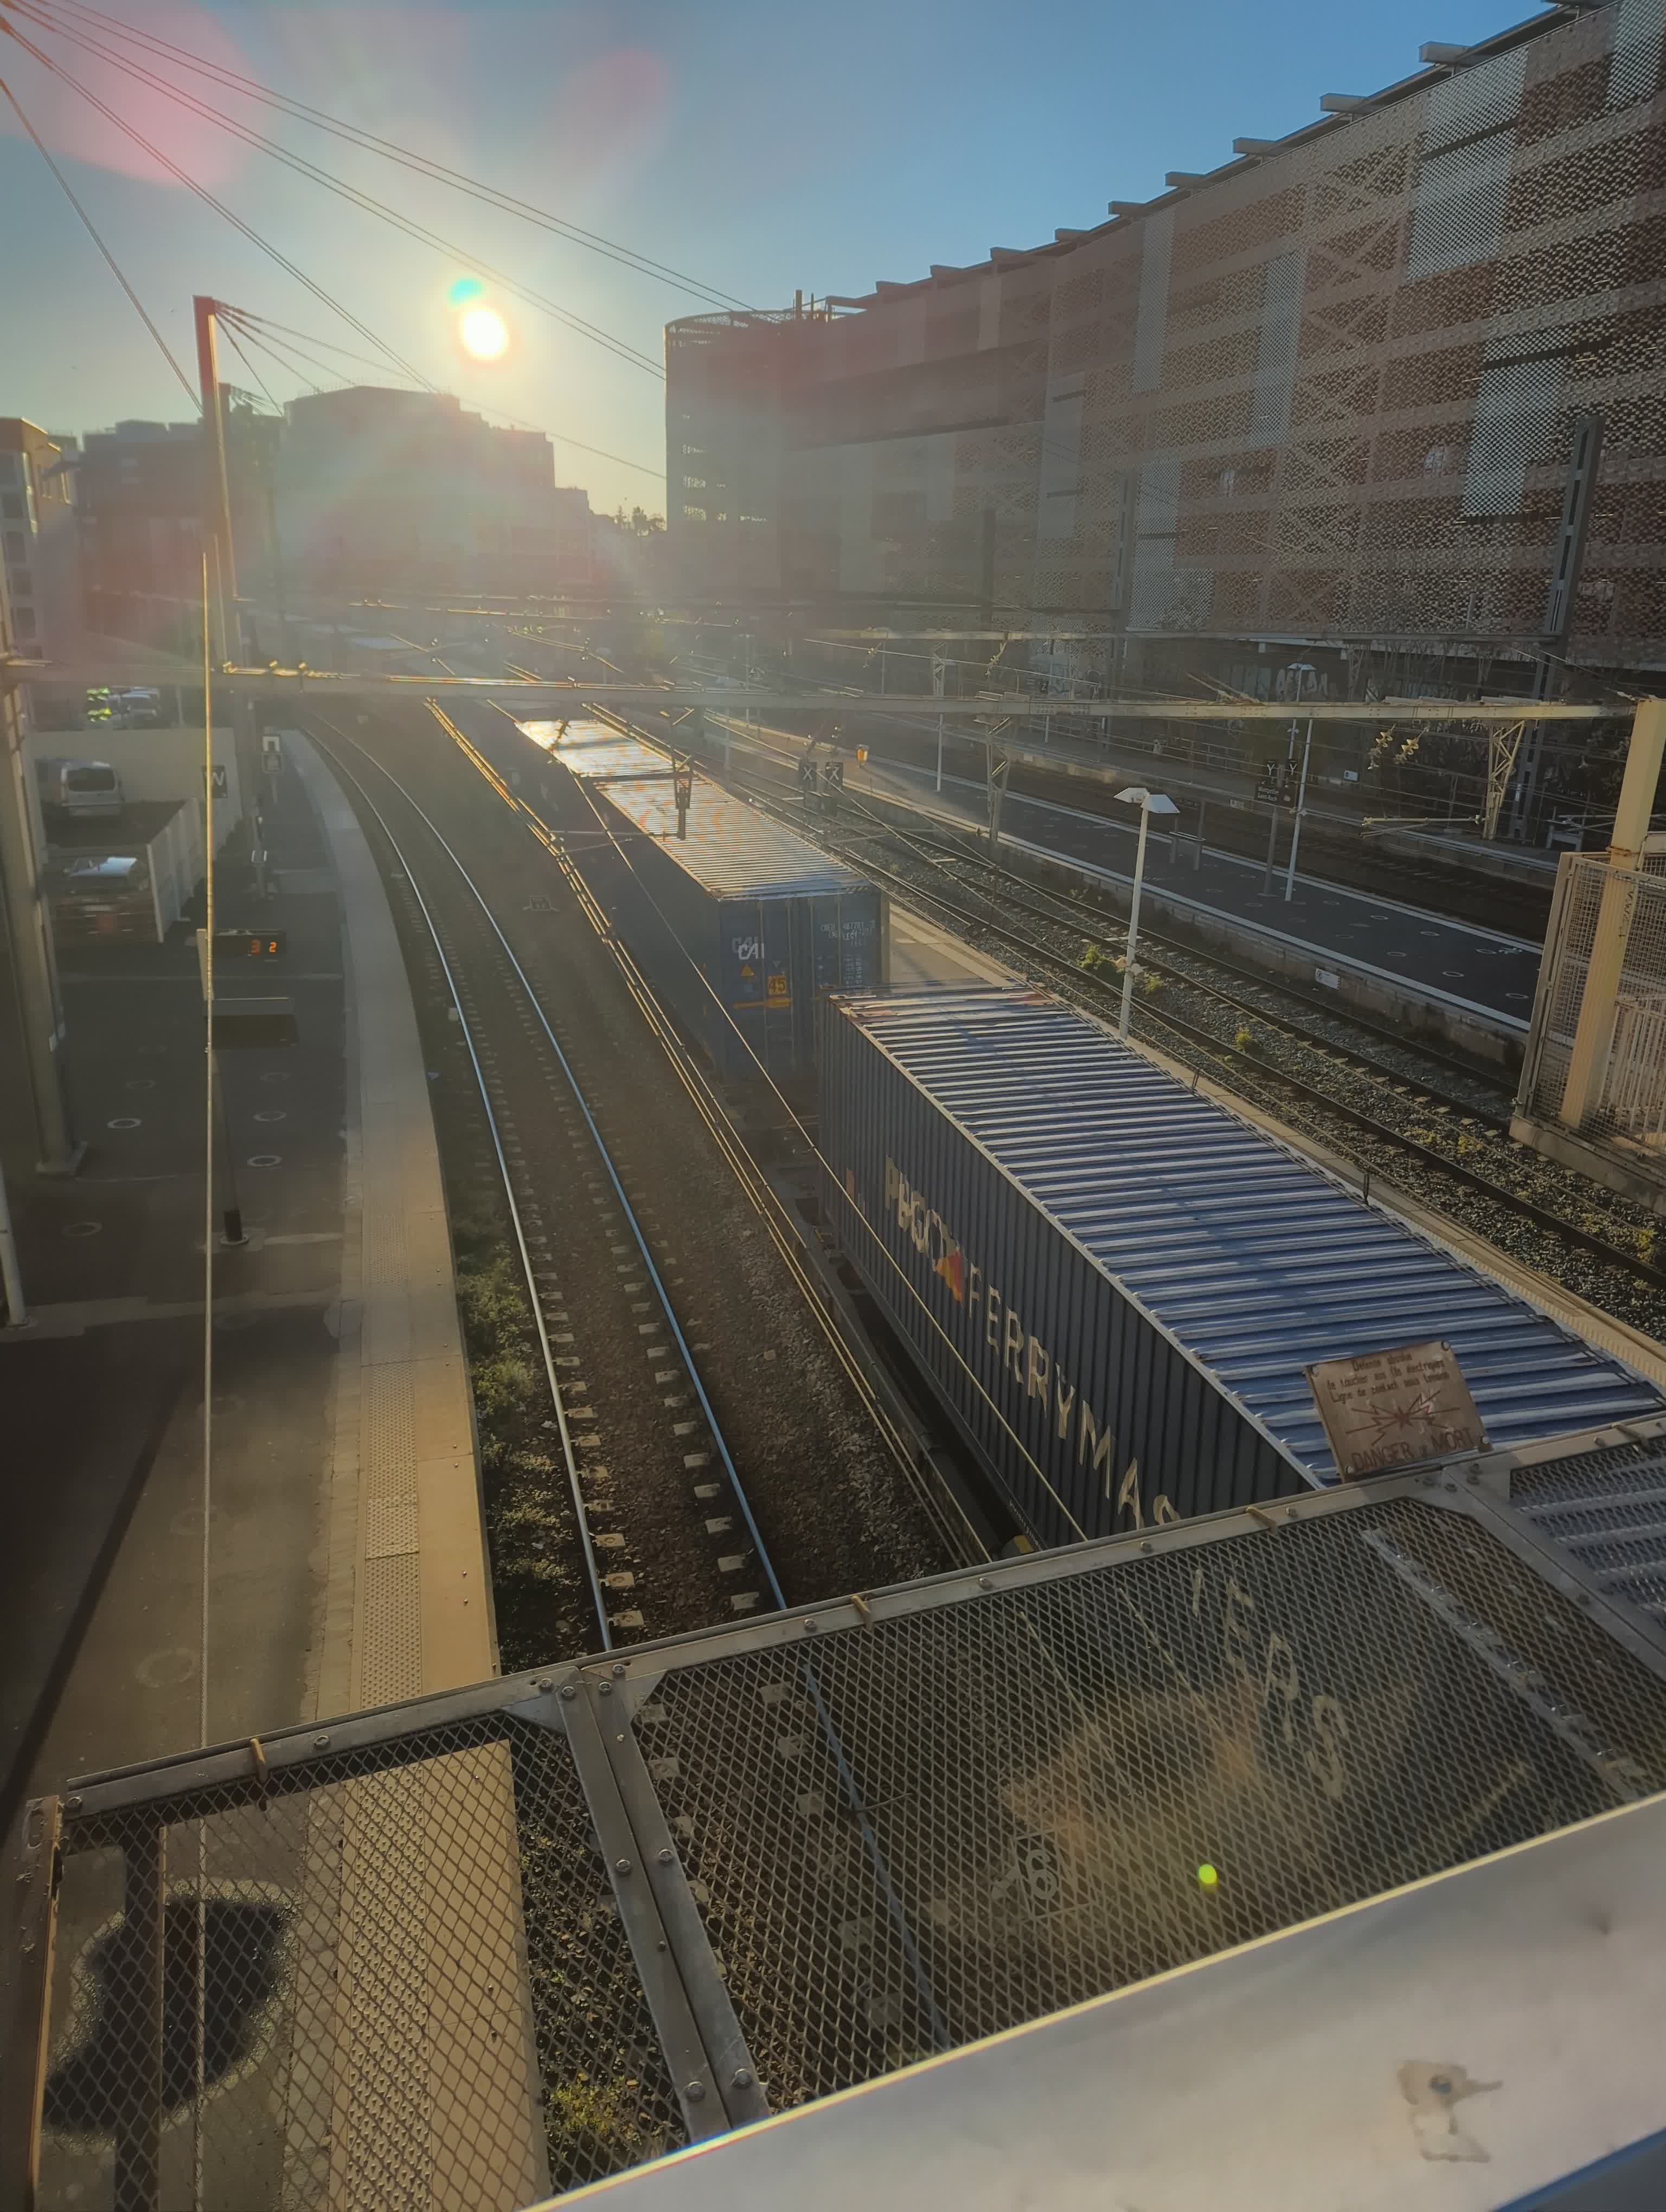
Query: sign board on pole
[{"x": 1395, "y": 1408}]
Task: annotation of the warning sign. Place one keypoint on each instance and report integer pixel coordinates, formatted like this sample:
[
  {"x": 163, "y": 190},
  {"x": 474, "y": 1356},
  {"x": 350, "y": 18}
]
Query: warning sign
[{"x": 1395, "y": 1408}]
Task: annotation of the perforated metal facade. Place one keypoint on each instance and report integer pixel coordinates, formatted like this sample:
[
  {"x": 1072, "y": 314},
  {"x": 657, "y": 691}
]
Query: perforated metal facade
[
  {"x": 476, "y": 1948},
  {"x": 1328, "y": 393}
]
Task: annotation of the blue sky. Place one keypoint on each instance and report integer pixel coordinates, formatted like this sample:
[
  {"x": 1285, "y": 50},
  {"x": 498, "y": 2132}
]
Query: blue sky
[{"x": 758, "y": 145}]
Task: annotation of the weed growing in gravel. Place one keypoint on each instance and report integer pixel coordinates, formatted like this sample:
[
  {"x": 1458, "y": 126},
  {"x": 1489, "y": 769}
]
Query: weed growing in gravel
[{"x": 528, "y": 1513}]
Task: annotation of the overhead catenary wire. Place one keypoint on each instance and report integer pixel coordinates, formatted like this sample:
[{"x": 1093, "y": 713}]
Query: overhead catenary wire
[
  {"x": 265, "y": 346},
  {"x": 233, "y": 80},
  {"x": 210, "y": 200},
  {"x": 231, "y": 339},
  {"x": 351, "y": 193},
  {"x": 250, "y": 324},
  {"x": 92, "y": 230}
]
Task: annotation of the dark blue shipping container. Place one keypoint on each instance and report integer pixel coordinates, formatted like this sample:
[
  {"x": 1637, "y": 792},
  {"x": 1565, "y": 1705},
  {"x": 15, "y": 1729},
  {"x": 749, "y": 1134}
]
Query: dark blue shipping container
[
  {"x": 743, "y": 927},
  {"x": 1117, "y": 1286}
]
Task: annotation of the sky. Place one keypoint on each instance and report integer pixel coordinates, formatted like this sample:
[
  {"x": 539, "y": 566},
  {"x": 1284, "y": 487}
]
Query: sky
[{"x": 755, "y": 147}]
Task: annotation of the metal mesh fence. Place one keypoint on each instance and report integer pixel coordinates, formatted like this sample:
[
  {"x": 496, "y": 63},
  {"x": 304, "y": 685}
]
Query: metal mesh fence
[
  {"x": 922, "y": 1832},
  {"x": 483, "y": 1949},
  {"x": 1605, "y": 968},
  {"x": 396, "y": 1978}
]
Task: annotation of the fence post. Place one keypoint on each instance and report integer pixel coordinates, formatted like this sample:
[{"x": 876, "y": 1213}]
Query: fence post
[
  {"x": 1588, "y": 1068},
  {"x": 138, "y": 2148}
]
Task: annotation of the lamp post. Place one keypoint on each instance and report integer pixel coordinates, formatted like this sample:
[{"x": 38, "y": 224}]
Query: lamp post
[{"x": 1149, "y": 803}]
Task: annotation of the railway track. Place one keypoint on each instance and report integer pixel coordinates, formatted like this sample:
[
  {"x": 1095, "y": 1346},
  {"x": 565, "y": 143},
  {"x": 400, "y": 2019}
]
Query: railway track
[
  {"x": 593, "y": 1290},
  {"x": 674, "y": 1401},
  {"x": 1401, "y": 1138},
  {"x": 1393, "y": 1143}
]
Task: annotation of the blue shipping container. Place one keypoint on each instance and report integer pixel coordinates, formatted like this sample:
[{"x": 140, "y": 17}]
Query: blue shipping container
[
  {"x": 742, "y": 926},
  {"x": 1117, "y": 1286}
]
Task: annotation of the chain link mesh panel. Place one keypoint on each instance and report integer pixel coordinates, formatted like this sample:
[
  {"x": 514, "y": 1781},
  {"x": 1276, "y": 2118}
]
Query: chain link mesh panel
[
  {"x": 398, "y": 1978},
  {"x": 1610, "y": 924},
  {"x": 924, "y": 1832}
]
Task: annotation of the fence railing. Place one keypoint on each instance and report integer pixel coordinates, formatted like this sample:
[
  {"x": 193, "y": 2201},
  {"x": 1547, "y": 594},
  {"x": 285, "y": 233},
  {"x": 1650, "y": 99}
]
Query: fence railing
[
  {"x": 486, "y": 1947},
  {"x": 1596, "y": 1060}
]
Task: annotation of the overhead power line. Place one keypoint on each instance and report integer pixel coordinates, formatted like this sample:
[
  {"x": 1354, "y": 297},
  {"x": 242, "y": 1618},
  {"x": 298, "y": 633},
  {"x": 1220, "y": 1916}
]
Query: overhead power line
[
  {"x": 91, "y": 230},
  {"x": 43, "y": 18},
  {"x": 208, "y": 198},
  {"x": 243, "y": 319},
  {"x": 594, "y": 242},
  {"x": 231, "y": 335}
]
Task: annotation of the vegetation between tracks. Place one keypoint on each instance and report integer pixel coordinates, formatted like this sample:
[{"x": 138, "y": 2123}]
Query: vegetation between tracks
[{"x": 529, "y": 1518}]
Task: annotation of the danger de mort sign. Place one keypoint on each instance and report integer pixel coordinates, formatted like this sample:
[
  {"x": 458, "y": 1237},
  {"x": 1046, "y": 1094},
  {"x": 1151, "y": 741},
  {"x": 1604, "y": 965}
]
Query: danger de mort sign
[{"x": 1395, "y": 1408}]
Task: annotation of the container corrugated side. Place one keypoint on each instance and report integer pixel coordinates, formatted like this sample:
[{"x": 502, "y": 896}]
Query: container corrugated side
[{"x": 1050, "y": 1218}]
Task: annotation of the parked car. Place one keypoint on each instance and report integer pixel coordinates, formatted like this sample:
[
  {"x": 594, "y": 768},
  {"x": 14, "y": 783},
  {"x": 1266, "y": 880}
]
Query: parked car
[{"x": 86, "y": 787}]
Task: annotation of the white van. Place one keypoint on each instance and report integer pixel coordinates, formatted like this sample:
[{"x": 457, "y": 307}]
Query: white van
[{"x": 86, "y": 787}]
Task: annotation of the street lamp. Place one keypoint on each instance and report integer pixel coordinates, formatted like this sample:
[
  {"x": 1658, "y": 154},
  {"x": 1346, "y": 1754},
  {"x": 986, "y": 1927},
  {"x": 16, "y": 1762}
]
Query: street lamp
[{"x": 1149, "y": 803}]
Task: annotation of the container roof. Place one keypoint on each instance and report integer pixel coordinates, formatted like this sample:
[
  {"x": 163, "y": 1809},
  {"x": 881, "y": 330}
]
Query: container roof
[
  {"x": 1252, "y": 1259},
  {"x": 731, "y": 849}
]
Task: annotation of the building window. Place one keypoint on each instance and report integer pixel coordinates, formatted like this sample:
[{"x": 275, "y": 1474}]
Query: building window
[
  {"x": 1437, "y": 460},
  {"x": 18, "y": 548},
  {"x": 693, "y": 514},
  {"x": 11, "y": 504},
  {"x": 9, "y": 468},
  {"x": 21, "y": 583},
  {"x": 24, "y": 617},
  {"x": 1227, "y": 482},
  {"x": 694, "y": 484}
]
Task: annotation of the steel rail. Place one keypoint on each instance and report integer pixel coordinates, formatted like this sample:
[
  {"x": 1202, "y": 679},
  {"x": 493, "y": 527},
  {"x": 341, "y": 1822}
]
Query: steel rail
[
  {"x": 906, "y": 889},
  {"x": 959, "y": 1538},
  {"x": 592, "y": 1566},
  {"x": 1512, "y": 1201},
  {"x": 683, "y": 1351}
]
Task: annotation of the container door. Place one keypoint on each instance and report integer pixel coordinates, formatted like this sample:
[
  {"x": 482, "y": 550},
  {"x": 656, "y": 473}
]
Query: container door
[
  {"x": 775, "y": 928},
  {"x": 745, "y": 988}
]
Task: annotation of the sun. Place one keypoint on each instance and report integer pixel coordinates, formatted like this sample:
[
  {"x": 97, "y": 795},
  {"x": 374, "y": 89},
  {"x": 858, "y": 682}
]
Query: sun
[{"x": 485, "y": 334}]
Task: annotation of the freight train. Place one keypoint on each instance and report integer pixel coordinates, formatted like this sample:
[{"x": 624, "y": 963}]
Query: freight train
[
  {"x": 742, "y": 926},
  {"x": 1116, "y": 1287}
]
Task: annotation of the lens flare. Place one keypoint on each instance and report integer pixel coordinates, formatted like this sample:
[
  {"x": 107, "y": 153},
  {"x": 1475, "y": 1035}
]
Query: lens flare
[
  {"x": 485, "y": 334},
  {"x": 464, "y": 290}
]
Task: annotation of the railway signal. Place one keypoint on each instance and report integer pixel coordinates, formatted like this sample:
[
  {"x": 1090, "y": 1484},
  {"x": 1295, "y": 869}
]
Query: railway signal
[{"x": 682, "y": 784}]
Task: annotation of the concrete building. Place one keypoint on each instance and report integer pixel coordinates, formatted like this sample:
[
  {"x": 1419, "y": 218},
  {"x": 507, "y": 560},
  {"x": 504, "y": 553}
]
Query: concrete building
[
  {"x": 139, "y": 500},
  {"x": 38, "y": 541},
  {"x": 1323, "y": 402},
  {"x": 381, "y": 490}
]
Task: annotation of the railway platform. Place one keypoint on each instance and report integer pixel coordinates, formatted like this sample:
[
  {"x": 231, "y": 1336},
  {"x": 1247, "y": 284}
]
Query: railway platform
[
  {"x": 1470, "y": 985},
  {"x": 345, "y": 1556},
  {"x": 1478, "y": 971}
]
